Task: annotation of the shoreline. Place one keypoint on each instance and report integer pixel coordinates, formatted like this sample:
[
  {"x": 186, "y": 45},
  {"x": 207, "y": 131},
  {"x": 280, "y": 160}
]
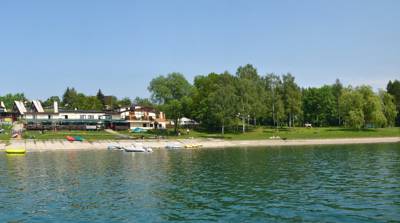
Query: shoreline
[{"x": 54, "y": 145}]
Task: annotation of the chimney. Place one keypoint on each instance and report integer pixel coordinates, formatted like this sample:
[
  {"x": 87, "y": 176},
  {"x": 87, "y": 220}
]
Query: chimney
[
  {"x": 162, "y": 116},
  {"x": 55, "y": 107}
]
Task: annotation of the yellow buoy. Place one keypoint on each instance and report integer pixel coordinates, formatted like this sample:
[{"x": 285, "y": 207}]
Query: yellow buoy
[{"x": 12, "y": 150}]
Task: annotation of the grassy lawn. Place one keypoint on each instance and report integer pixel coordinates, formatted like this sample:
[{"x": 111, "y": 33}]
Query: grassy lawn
[
  {"x": 87, "y": 135},
  {"x": 257, "y": 133},
  {"x": 6, "y": 135},
  {"x": 293, "y": 133}
]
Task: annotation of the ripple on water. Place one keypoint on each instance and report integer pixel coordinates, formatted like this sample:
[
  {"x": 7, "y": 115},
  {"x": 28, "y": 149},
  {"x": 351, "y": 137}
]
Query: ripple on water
[{"x": 358, "y": 183}]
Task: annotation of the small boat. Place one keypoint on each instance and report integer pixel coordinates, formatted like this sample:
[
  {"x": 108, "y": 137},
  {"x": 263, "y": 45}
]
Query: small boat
[
  {"x": 174, "y": 146},
  {"x": 74, "y": 138},
  {"x": 70, "y": 138},
  {"x": 15, "y": 150},
  {"x": 193, "y": 146},
  {"x": 138, "y": 148},
  {"x": 78, "y": 138},
  {"x": 115, "y": 147}
]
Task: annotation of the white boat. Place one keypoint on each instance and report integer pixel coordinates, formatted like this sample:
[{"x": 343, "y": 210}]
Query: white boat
[
  {"x": 174, "y": 146},
  {"x": 115, "y": 147},
  {"x": 138, "y": 148}
]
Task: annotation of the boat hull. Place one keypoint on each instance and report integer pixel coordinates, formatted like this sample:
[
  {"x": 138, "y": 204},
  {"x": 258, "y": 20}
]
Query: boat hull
[{"x": 16, "y": 151}]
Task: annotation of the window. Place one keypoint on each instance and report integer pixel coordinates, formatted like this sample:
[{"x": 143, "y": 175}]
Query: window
[
  {"x": 90, "y": 116},
  {"x": 66, "y": 116},
  {"x": 144, "y": 125},
  {"x": 151, "y": 125},
  {"x": 49, "y": 116},
  {"x": 83, "y": 117}
]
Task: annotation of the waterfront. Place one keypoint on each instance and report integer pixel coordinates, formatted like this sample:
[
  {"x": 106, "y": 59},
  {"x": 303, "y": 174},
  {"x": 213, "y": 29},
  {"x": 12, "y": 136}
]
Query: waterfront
[{"x": 346, "y": 183}]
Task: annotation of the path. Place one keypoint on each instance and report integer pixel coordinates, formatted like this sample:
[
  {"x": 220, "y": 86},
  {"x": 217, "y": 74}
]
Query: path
[{"x": 122, "y": 136}]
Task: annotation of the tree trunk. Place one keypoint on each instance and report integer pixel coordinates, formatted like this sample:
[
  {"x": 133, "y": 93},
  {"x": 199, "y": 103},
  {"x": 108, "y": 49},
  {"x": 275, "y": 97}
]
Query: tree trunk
[
  {"x": 244, "y": 124},
  {"x": 176, "y": 125},
  {"x": 273, "y": 114},
  {"x": 255, "y": 121},
  {"x": 223, "y": 128}
]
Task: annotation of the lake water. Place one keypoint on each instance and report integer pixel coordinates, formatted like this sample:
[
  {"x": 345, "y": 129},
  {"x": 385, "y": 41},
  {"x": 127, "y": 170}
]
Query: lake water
[{"x": 352, "y": 183}]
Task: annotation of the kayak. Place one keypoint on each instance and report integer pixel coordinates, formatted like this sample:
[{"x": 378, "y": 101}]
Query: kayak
[
  {"x": 74, "y": 138},
  {"x": 70, "y": 138},
  {"x": 15, "y": 150},
  {"x": 78, "y": 138}
]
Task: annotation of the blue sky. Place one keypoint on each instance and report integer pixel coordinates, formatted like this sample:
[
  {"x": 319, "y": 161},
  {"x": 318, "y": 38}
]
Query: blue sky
[{"x": 119, "y": 46}]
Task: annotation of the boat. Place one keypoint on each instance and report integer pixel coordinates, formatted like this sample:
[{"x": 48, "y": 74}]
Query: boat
[
  {"x": 12, "y": 150},
  {"x": 193, "y": 146},
  {"x": 78, "y": 138},
  {"x": 115, "y": 147},
  {"x": 70, "y": 138},
  {"x": 74, "y": 138},
  {"x": 138, "y": 148},
  {"x": 174, "y": 146}
]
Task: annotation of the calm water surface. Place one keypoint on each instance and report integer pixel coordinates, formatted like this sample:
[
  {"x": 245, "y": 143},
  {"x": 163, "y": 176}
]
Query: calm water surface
[{"x": 357, "y": 183}]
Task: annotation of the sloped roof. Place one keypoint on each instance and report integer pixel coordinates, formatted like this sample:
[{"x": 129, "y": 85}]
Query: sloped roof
[
  {"x": 38, "y": 106},
  {"x": 21, "y": 107}
]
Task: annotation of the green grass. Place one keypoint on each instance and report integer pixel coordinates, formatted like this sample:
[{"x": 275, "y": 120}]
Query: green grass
[
  {"x": 87, "y": 135},
  {"x": 6, "y": 135},
  {"x": 257, "y": 133},
  {"x": 297, "y": 133}
]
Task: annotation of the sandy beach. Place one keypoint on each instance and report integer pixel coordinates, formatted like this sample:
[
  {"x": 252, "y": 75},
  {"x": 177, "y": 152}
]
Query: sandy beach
[{"x": 39, "y": 145}]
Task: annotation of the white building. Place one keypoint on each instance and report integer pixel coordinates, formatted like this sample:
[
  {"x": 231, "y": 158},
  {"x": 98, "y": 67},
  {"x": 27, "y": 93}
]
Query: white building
[{"x": 145, "y": 118}]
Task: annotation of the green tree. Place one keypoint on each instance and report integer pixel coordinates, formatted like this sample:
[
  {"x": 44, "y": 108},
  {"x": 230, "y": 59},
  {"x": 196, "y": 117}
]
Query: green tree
[
  {"x": 274, "y": 109},
  {"x": 318, "y": 105},
  {"x": 125, "y": 102},
  {"x": 372, "y": 107},
  {"x": 337, "y": 88},
  {"x": 9, "y": 99},
  {"x": 90, "y": 103},
  {"x": 389, "y": 107},
  {"x": 143, "y": 102},
  {"x": 50, "y": 101},
  {"x": 393, "y": 88},
  {"x": 292, "y": 98},
  {"x": 355, "y": 119},
  {"x": 351, "y": 104},
  {"x": 100, "y": 96},
  {"x": 249, "y": 90},
  {"x": 69, "y": 98},
  {"x": 171, "y": 92}
]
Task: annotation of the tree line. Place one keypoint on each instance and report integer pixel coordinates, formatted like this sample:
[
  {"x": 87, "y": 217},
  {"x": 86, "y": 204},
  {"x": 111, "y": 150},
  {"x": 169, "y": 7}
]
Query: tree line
[{"x": 226, "y": 101}]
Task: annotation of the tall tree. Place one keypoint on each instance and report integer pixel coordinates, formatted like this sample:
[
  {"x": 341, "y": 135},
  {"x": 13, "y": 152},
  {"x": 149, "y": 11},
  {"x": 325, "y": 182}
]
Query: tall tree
[
  {"x": 351, "y": 104},
  {"x": 171, "y": 92},
  {"x": 389, "y": 107},
  {"x": 337, "y": 91},
  {"x": 248, "y": 89},
  {"x": 393, "y": 88},
  {"x": 372, "y": 107},
  {"x": 292, "y": 98},
  {"x": 273, "y": 98},
  {"x": 69, "y": 98},
  {"x": 100, "y": 96},
  {"x": 318, "y": 106}
]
